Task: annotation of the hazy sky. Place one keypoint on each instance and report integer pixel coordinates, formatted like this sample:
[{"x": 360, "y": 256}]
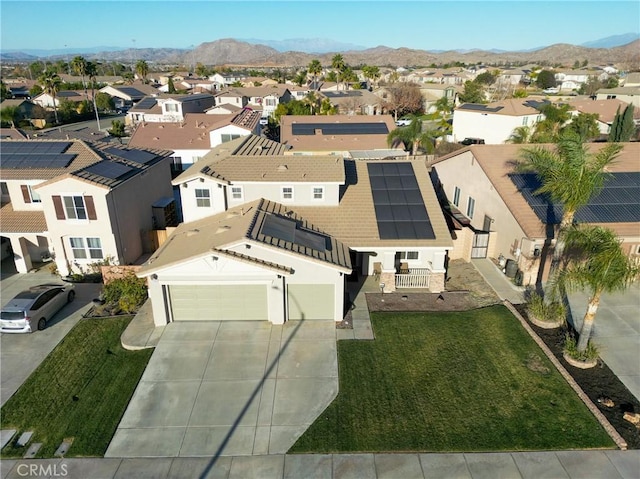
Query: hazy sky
[{"x": 428, "y": 25}]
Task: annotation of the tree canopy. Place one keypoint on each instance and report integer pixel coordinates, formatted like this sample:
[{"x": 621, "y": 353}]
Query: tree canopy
[
  {"x": 473, "y": 93},
  {"x": 623, "y": 127},
  {"x": 546, "y": 79},
  {"x": 404, "y": 98}
]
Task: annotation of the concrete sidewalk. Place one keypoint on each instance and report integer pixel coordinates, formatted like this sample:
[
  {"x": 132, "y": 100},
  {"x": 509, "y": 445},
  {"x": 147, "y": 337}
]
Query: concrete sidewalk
[
  {"x": 498, "y": 281},
  {"x": 514, "y": 465}
]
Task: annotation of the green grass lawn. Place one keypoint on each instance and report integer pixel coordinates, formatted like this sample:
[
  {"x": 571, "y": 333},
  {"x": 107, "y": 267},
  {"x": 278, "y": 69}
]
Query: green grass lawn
[
  {"x": 80, "y": 390},
  {"x": 464, "y": 381}
]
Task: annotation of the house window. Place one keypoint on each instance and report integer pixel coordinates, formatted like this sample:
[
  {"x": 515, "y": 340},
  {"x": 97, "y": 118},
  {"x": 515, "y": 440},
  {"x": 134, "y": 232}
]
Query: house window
[
  {"x": 270, "y": 102},
  {"x": 177, "y": 162},
  {"x": 287, "y": 192},
  {"x": 84, "y": 248},
  {"x": 35, "y": 197},
  {"x": 525, "y": 121},
  {"x": 171, "y": 107},
  {"x": 408, "y": 255},
  {"x": 228, "y": 137},
  {"x": 236, "y": 192},
  {"x": 75, "y": 208},
  {"x": 456, "y": 196},
  {"x": 4, "y": 188},
  {"x": 203, "y": 198},
  {"x": 318, "y": 193},
  {"x": 470, "y": 207}
]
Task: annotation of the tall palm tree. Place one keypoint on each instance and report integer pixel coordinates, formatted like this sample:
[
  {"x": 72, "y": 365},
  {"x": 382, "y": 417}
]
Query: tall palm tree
[
  {"x": 142, "y": 69},
  {"x": 521, "y": 135},
  {"x": 413, "y": 137},
  {"x": 315, "y": 68},
  {"x": 313, "y": 101},
  {"x": 92, "y": 72},
  {"x": 595, "y": 262},
  {"x": 571, "y": 175},
  {"x": 50, "y": 82},
  {"x": 338, "y": 64},
  {"x": 79, "y": 66}
]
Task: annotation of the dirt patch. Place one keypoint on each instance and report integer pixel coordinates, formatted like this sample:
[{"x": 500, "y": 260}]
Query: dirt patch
[
  {"x": 445, "y": 301},
  {"x": 463, "y": 276}
]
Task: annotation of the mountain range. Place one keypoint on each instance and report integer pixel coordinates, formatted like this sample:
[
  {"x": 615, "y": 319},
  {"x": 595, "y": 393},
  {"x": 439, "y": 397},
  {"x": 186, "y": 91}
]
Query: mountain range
[{"x": 236, "y": 52}]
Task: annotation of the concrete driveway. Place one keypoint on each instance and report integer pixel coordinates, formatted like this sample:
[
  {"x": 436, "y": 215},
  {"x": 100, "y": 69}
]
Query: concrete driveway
[
  {"x": 21, "y": 354},
  {"x": 616, "y": 331},
  {"x": 230, "y": 388}
]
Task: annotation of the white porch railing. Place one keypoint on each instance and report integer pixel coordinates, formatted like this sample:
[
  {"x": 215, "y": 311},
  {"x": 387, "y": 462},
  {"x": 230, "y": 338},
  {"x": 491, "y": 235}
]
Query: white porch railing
[{"x": 415, "y": 278}]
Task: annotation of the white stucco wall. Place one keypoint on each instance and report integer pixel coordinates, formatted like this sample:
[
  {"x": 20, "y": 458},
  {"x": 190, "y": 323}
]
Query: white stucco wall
[
  {"x": 189, "y": 157},
  {"x": 190, "y": 209},
  {"x": 215, "y": 136},
  {"x": 494, "y": 129},
  {"x": 15, "y": 194},
  {"x": 302, "y": 193}
]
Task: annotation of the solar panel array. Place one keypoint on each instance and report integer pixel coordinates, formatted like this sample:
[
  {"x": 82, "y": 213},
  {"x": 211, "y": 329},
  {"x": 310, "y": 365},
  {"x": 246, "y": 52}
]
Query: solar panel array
[
  {"x": 132, "y": 92},
  {"x": 478, "y": 107},
  {"x": 287, "y": 230},
  {"x": 398, "y": 203},
  {"x": 137, "y": 156},
  {"x": 146, "y": 104},
  {"x": 36, "y": 154},
  {"x": 340, "y": 128},
  {"x": 617, "y": 202},
  {"x": 109, "y": 169}
]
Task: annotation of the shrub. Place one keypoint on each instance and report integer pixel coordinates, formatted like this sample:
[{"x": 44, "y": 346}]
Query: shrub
[
  {"x": 551, "y": 312},
  {"x": 129, "y": 292},
  {"x": 571, "y": 349}
]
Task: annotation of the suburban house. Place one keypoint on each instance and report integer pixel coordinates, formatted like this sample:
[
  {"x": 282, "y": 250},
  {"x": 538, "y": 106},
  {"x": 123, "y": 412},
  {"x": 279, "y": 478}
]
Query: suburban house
[
  {"x": 264, "y": 98},
  {"x": 627, "y": 94},
  {"x": 354, "y": 102},
  {"x": 605, "y": 109},
  {"x": 79, "y": 204},
  {"x": 27, "y": 110},
  {"x": 495, "y": 122},
  {"x": 225, "y": 80},
  {"x": 128, "y": 95},
  {"x": 432, "y": 92},
  {"x": 273, "y": 237},
  {"x": 572, "y": 79},
  {"x": 168, "y": 108},
  {"x": 335, "y": 134},
  {"x": 223, "y": 109},
  {"x": 191, "y": 139},
  {"x": 496, "y": 214},
  {"x": 45, "y": 100}
]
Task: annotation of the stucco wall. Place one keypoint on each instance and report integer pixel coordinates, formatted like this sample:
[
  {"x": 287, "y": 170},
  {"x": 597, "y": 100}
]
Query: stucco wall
[{"x": 494, "y": 129}]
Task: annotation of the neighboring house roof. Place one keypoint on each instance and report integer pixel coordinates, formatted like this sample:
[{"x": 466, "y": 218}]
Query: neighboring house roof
[
  {"x": 18, "y": 102},
  {"x": 605, "y": 109},
  {"x": 632, "y": 79},
  {"x": 352, "y": 97},
  {"x": 132, "y": 92},
  {"x": 150, "y": 104},
  {"x": 217, "y": 234},
  {"x": 259, "y": 146},
  {"x": 510, "y": 107},
  {"x": 99, "y": 79},
  {"x": 621, "y": 90},
  {"x": 261, "y": 91},
  {"x": 190, "y": 134},
  {"x": 497, "y": 163},
  {"x": 354, "y": 220},
  {"x": 10, "y": 134},
  {"x": 336, "y": 132},
  {"x": 21, "y": 221},
  {"x": 227, "y": 107}
]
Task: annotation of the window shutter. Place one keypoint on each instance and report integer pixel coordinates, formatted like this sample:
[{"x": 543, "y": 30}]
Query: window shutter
[
  {"x": 91, "y": 209},
  {"x": 25, "y": 193},
  {"x": 57, "y": 204}
]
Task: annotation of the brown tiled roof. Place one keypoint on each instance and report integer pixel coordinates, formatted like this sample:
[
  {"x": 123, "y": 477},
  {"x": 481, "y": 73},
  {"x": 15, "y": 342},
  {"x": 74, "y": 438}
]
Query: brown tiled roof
[
  {"x": 605, "y": 109},
  {"x": 260, "y": 146},
  {"x": 319, "y": 142},
  {"x": 247, "y": 119},
  {"x": 192, "y": 134},
  {"x": 497, "y": 162},
  {"x": 85, "y": 157},
  {"x": 21, "y": 221},
  {"x": 220, "y": 232},
  {"x": 354, "y": 222},
  {"x": 11, "y": 133},
  {"x": 510, "y": 107}
]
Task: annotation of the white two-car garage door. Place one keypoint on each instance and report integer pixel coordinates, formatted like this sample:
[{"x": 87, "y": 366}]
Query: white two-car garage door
[
  {"x": 219, "y": 303},
  {"x": 311, "y": 301}
]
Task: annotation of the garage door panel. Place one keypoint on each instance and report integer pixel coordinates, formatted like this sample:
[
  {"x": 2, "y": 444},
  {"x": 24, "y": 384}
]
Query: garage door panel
[
  {"x": 311, "y": 301},
  {"x": 219, "y": 302}
]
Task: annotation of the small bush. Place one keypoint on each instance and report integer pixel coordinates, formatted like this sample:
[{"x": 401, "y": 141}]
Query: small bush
[
  {"x": 571, "y": 349},
  {"x": 129, "y": 292},
  {"x": 551, "y": 312}
]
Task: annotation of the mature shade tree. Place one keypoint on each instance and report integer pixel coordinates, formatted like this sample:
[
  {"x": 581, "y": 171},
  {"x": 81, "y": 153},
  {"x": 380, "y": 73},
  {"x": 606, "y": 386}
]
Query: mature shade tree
[
  {"x": 201, "y": 70},
  {"x": 485, "y": 78},
  {"x": 315, "y": 68},
  {"x": 571, "y": 175},
  {"x": 546, "y": 79},
  {"x": 142, "y": 69},
  {"x": 622, "y": 128},
  {"x": 473, "y": 93},
  {"x": 117, "y": 129},
  {"x": 50, "y": 82},
  {"x": 585, "y": 125},
  {"x": 404, "y": 98},
  {"x": 595, "y": 262},
  {"x": 104, "y": 102}
]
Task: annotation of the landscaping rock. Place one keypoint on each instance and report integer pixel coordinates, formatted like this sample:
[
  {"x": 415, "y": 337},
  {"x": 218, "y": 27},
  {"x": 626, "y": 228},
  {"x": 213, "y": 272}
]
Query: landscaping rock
[
  {"x": 607, "y": 402},
  {"x": 632, "y": 417}
]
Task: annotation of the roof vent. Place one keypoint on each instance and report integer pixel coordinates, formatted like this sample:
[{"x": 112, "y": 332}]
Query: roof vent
[
  {"x": 282, "y": 168},
  {"x": 222, "y": 229},
  {"x": 193, "y": 232}
]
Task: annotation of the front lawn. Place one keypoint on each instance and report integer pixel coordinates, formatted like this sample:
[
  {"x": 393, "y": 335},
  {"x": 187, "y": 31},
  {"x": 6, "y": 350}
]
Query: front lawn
[
  {"x": 463, "y": 381},
  {"x": 80, "y": 391}
]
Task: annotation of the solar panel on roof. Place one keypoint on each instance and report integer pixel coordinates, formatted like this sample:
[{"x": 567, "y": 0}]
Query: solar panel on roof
[
  {"x": 34, "y": 160},
  {"x": 310, "y": 240},
  {"x": 137, "y": 156},
  {"x": 109, "y": 169},
  {"x": 328, "y": 129},
  {"x": 34, "y": 147},
  {"x": 397, "y": 201},
  {"x": 145, "y": 104},
  {"x": 617, "y": 202},
  {"x": 287, "y": 230}
]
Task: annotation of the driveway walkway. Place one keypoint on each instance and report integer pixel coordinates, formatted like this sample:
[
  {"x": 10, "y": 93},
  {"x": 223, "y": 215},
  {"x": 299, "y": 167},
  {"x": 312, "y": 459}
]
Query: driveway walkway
[{"x": 230, "y": 388}]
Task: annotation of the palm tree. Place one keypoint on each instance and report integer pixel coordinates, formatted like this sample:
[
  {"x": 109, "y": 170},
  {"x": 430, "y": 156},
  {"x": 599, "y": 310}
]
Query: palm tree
[
  {"x": 337, "y": 63},
  {"x": 51, "y": 82},
  {"x": 521, "y": 135},
  {"x": 79, "y": 66},
  {"x": 10, "y": 114},
  {"x": 142, "y": 69},
  {"x": 413, "y": 137},
  {"x": 313, "y": 101},
  {"x": 92, "y": 71},
  {"x": 571, "y": 175},
  {"x": 596, "y": 262},
  {"x": 315, "y": 68}
]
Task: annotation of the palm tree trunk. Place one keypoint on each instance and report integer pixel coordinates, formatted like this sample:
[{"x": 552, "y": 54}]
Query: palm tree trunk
[
  {"x": 558, "y": 251},
  {"x": 55, "y": 109},
  {"x": 587, "y": 322}
]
